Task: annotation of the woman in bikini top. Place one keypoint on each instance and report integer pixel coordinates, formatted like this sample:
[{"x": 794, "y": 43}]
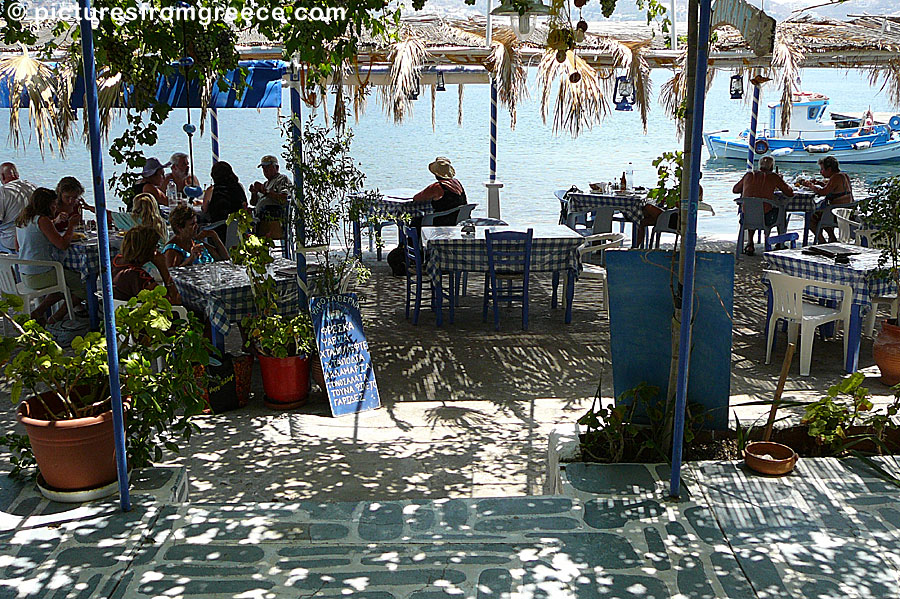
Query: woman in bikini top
[{"x": 836, "y": 188}]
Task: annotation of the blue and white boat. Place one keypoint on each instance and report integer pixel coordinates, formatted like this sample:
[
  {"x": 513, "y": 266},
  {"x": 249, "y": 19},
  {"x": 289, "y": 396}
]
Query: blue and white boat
[{"x": 811, "y": 136}]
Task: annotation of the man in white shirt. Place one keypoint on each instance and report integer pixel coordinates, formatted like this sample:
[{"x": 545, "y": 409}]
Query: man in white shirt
[
  {"x": 14, "y": 194},
  {"x": 269, "y": 198}
]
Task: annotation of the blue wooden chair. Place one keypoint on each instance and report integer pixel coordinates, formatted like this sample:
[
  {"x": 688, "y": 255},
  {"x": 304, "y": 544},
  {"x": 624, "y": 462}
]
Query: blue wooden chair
[
  {"x": 509, "y": 262},
  {"x": 416, "y": 278},
  {"x": 787, "y": 238}
]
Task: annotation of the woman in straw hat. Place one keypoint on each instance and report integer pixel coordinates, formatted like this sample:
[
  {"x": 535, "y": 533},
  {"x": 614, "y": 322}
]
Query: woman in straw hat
[{"x": 445, "y": 194}]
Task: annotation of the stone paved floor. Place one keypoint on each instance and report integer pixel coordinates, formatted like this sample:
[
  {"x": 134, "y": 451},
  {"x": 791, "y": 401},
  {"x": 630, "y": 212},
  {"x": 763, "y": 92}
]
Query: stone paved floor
[{"x": 829, "y": 530}]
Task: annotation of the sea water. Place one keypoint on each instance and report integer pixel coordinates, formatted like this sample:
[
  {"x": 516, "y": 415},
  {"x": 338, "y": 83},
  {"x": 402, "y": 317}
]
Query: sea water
[{"x": 532, "y": 161}]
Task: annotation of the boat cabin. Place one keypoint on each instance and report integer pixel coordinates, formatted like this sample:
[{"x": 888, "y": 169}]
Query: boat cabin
[{"x": 807, "y": 114}]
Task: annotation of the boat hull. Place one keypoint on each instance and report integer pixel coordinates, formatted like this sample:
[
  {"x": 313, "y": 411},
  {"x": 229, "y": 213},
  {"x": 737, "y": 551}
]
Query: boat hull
[{"x": 735, "y": 148}]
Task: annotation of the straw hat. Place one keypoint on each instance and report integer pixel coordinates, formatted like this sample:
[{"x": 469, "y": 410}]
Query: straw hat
[{"x": 441, "y": 168}]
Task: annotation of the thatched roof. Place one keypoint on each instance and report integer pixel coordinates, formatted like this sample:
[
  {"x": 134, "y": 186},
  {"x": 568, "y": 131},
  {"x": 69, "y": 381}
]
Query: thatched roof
[{"x": 458, "y": 48}]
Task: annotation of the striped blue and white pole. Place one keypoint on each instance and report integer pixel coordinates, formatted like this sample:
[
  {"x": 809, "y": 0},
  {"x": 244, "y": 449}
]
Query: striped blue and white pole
[
  {"x": 109, "y": 318},
  {"x": 214, "y": 132},
  {"x": 754, "y": 117},
  {"x": 493, "y": 176}
]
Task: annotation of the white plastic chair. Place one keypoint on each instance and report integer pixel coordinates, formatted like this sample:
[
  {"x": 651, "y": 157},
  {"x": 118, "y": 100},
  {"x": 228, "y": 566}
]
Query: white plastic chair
[
  {"x": 891, "y": 301},
  {"x": 9, "y": 282},
  {"x": 594, "y": 244},
  {"x": 788, "y": 304},
  {"x": 752, "y": 218},
  {"x": 665, "y": 223},
  {"x": 846, "y": 226}
]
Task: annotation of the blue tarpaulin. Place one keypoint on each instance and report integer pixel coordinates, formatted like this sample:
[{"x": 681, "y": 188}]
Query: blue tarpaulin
[{"x": 263, "y": 89}]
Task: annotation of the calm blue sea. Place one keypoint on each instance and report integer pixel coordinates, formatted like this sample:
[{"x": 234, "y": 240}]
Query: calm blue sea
[{"x": 532, "y": 161}]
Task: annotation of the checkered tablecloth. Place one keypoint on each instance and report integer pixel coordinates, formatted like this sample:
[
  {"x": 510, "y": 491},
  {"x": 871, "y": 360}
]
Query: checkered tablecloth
[
  {"x": 859, "y": 273},
  {"x": 84, "y": 256},
  {"x": 387, "y": 208},
  {"x": 630, "y": 205},
  {"x": 231, "y": 300},
  {"x": 803, "y": 201},
  {"x": 553, "y": 248}
]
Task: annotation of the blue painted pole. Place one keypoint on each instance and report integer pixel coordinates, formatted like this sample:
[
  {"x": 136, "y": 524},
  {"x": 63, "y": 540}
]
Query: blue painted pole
[
  {"x": 689, "y": 247},
  {"x": 300, "y": 240},
  {"x": 493, "y": 175},
  {"x": 109, "y": 318},
  {"x": 754, "y": 119},
  {"x": 214, "y": 132}
]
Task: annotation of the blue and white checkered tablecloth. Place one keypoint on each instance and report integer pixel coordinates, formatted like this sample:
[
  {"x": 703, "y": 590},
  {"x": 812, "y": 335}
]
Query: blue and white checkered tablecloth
[
  {"x": 859, "y": 273},
  {"x": 84, "y": 256},
  {"x": 631, "y": 205},
  {"x": 803, "y": 201},
  {"x": 386, "y": 207},
  {"x": 231, "y": 300},
  {"x": 553, "y": 248}
]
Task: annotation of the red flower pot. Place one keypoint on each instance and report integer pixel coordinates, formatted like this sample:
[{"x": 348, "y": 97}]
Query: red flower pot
[
  {"x": 72, "y": 455},
  {"x": 285, "y": 381},
  {"x": 886, "y": 351}
]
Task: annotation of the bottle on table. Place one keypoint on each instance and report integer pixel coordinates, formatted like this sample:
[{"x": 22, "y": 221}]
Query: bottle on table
[
  {"x": 629, "y": 177},
  {"x": 171, "y": 192},
  {"x": 623, "y": 183}
]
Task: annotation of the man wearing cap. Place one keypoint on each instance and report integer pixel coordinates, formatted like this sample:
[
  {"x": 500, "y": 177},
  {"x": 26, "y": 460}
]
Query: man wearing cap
[
  {"x": 14, "y": 194},
  {"x": 268, "y": 198},
  {"x": 153, "y": 181},
  {"x": 445, "y": 194}
]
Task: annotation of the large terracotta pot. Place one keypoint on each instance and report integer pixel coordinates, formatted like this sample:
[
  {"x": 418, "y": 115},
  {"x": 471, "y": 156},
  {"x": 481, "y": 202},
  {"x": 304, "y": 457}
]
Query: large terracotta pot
[
  {"x": 886, "y": 351},
  {"x": 74, "y": 454},
  {"x": 285, "y": 381}
]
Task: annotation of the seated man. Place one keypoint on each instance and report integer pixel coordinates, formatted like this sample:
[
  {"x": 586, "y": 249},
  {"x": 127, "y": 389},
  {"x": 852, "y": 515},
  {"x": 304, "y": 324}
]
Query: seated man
[
  {"x": 128, "y": 275},
  {"x": 762, "y": 184},
  {"x": 14, "y": 195},
  {"x": 268, "y": 198}
]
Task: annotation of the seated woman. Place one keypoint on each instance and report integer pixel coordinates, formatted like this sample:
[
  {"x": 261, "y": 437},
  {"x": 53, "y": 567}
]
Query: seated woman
[
  {"x": 69, "y": 197},
  {"x": 837, "y": 190},
  {"x": 153, "y": 181},
  {"x": 224, "y": 196},
  {"x": 145, "y": 211},
  {"x": 129, "y": 277},
  {"x": 189, "y": 245},
  {"x": 35, "y": 237},
  {"x": 445, "y": 194}
]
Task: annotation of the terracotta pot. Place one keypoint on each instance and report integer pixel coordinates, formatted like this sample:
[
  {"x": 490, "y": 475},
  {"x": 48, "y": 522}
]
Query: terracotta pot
[
  {"x": 74, "y": 454},
  {"x": 285, "y": 381},
  {"x": 886, "y": 351},
  {"x": 770, "y": 458},
  {"x": 318, "y": 375}
]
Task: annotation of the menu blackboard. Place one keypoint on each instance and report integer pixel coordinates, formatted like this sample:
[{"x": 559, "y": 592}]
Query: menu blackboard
[{"x": 344, "y": 351}]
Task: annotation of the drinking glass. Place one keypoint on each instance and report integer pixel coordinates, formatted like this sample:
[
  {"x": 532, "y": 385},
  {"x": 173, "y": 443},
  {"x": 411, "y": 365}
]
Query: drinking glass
[{"x": 215, "y": 275}]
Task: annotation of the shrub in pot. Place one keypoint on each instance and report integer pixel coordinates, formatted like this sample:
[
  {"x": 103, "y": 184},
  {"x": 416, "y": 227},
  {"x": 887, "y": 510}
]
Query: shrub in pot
[
  {"x": 881, "y": 211},
  {"x": 283, "y": 344},
  {"x": 65, "y": 396}
]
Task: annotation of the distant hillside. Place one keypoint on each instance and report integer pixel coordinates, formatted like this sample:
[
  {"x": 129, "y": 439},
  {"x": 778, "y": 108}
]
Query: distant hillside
[{"x": 626, "y": 10}]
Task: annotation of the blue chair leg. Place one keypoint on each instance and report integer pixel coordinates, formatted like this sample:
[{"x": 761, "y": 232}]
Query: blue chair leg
[
  {"x": 496, "y": 308},
  {"x": 487, "y": 290},
  {"x": 553, "y": 299},
  {"x": 418, "y": 304},
  {"x": 525, "y": 308},
  {"x": 408, "y": 296}
]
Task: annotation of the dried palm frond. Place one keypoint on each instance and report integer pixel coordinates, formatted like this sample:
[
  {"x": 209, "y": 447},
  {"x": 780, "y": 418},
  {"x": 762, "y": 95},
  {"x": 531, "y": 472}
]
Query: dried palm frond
[
  {"x": 31, "y": 80},
  {"x": 406, "y": 58},
  {"x": 673, "y": 92},
  {"x": 580, "y": 105},
  {"x": 510, "y": 75},
  {"x": 891, "y": 74},
  {"x": 786, "y": 59},
  {"x": 340, "y": 101},
  {"x": 459, "y": 106},
  {"x": 639, "y": 72},
  {"x": 433, "y": 115}
]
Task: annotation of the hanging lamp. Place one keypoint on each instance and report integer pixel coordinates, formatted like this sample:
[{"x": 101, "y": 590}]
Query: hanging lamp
[
  {"x": 623, "y": 95},
  {"x": 522, "y": 15}
]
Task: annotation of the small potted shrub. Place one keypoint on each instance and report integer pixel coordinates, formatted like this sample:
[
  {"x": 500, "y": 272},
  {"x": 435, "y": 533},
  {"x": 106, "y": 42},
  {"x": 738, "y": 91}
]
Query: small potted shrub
[
  {"x": 283, "y": 344},
  {"x": 881, "y": 211},
  {"x": 65, "y": 396}
]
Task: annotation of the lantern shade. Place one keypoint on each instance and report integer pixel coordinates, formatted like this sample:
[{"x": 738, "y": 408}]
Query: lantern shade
[
  {"x": 623, "y": 96},
  {"x": 522, "y": 21},
  {"x": 736, "y": 87},
  {"x": 440, "y": 85}
]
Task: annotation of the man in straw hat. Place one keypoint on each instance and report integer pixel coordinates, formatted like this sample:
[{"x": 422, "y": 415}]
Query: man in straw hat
[{"x": 445, "y": 194}]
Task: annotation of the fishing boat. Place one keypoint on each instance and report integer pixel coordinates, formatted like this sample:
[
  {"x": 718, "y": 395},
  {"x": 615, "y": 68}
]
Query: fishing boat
[{"x": 850, "y": 139}]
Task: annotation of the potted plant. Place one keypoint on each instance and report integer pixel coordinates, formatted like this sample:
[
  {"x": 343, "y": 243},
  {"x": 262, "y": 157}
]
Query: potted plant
[
  {"x": 282, "y": 344},
  {"x": 881, "y": 211},
  {"x": 65, "y": 396},
  {"x": 330, "y": 200}
]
